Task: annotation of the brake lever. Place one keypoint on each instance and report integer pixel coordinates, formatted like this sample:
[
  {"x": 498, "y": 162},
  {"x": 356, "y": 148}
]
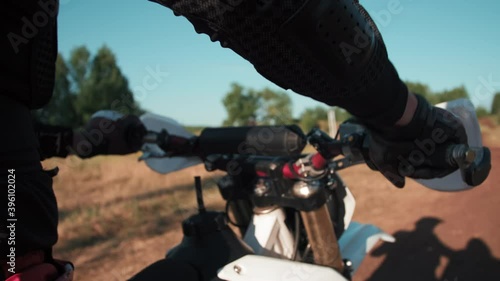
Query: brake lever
[{"x": 147, "y": 153}]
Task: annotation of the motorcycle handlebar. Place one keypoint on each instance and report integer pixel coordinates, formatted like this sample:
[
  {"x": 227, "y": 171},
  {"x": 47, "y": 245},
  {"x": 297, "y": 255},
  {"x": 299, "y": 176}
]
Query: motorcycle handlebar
[
  {"x": 474, "y": 163},
  {"x": 258, "y": 140}
]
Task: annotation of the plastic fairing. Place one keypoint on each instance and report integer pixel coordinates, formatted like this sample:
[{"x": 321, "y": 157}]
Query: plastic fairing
[
  {"x": 349, "y": 206},
  {"x": 157, "y": 123},
  {"x": 358, "y": 240},
  {"x": 465, "y": 111},
  {"x": 268, "y": 235},
  {"x": 355, "y": 243},
  {"x": 260, "y": 268}
]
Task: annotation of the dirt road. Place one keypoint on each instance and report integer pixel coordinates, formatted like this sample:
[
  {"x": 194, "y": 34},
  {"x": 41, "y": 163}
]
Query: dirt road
[
  {"x": 116, "y": 223},
  {"x": 440, "y": 236}
]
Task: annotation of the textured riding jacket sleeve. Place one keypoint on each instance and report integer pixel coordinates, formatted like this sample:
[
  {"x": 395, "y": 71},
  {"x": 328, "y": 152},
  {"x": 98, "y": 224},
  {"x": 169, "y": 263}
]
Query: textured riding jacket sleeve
[{"x": 329, "y": 50}]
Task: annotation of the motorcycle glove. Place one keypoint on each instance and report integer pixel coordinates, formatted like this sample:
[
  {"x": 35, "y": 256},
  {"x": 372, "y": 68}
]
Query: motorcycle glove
[
  {"x": 418, "y": 150},
  {"x": 109, "y": 132}
]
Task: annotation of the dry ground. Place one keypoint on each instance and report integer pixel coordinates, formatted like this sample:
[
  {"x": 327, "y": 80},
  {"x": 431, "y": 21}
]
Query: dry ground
[{"x": 117, "y": 216}]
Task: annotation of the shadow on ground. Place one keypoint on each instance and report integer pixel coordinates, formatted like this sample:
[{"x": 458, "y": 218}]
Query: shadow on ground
[{"x": 416, "y": 255}]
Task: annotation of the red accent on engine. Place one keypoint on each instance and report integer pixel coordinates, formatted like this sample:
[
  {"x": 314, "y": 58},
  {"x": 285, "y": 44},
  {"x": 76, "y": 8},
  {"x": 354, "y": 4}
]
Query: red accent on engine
[{"x": 261, "y": 174}]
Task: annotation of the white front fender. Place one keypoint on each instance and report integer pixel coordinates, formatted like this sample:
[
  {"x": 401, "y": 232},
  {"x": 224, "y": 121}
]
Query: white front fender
[{"x": 260, "y": 268}]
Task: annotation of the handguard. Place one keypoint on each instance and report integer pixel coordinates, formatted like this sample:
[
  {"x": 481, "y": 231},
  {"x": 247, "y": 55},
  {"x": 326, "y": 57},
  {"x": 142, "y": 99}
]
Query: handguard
[{"x": 328, "y": 50}]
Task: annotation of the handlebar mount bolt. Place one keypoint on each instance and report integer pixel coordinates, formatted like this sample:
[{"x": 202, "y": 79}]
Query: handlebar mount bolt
[
  {"x": 305, "y": 189},
  {"x": 260, "y": 187},
  {"x": 348, "y": 267},
  {"x": 273, "y": 166},
  {"x": 237, "y": 269},
  {"x": 331, "y": 183}
]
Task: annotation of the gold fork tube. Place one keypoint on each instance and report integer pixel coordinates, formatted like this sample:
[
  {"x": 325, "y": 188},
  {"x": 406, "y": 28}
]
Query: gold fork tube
[{"x": 322, "y": 238}]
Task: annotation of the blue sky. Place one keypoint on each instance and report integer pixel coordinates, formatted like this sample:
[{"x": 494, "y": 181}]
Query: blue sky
[{"x": 444, "y": 43}]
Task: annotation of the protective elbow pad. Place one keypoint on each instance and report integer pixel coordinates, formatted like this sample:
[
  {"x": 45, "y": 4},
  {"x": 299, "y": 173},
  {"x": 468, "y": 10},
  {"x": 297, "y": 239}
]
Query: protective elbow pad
[{"x": 329, "y": 50}]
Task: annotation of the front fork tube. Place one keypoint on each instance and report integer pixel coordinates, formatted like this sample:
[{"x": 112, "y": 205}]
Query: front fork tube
[{"x": 322, "y": 238}]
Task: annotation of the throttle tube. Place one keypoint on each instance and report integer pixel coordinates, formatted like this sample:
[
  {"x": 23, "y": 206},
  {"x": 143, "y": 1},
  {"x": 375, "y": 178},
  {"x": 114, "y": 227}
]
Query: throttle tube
[{"x": 257, "y": 140}]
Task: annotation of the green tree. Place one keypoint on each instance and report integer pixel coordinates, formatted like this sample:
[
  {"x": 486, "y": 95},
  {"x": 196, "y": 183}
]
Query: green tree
[
  {"x": 482, "y": 112},
  {"x": 61, "y": 108},
  {"x": 267, "y": 107},
  {"x": 341, "y": 115},
  {"x": 310, "y": 117},
  {"x": 453, "y": 94},
  {"x": 437, "y": 97},
  {"x": 84, "y": 86},
  {"x": 80, "y": 64},
  {"x": 495, "y": 106},
  {"x": 241, "y": 105},
  {"x": 105, "y": 88},
  {"x": 276, "y": 106}
]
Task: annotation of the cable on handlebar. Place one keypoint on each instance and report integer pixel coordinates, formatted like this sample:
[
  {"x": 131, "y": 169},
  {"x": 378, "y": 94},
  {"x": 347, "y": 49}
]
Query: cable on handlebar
[
  {"x": 316, "y": 163},
  {"x": 228, "y": 218}
]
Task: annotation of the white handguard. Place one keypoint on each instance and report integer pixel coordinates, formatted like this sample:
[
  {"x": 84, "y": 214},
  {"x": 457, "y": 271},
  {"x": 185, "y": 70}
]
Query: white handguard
[
  {"x": 108, "y": 114},
  {"x": 154, "y": 156}
]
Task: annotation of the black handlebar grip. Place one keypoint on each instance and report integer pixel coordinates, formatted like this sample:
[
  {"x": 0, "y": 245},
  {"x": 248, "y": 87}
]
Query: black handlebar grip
[
  {"x": 135, "y": 131},
  {"x": 257, "y": 140}
]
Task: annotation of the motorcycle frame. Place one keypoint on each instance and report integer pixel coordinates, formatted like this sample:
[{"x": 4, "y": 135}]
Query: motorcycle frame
[{"x": 268, "y": 234}]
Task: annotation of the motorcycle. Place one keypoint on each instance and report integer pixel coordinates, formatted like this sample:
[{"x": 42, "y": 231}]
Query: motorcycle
[{"x": 293, "y": 210}]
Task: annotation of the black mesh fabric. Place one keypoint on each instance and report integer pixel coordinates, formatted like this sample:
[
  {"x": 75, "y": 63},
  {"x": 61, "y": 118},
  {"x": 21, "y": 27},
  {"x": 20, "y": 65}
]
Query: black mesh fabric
[
  {"x": 44, "y": 54},
  {"x": 27, "y": 68},
  {"x": 28, "y": 50},
  {"x": 264, "y": 33}
]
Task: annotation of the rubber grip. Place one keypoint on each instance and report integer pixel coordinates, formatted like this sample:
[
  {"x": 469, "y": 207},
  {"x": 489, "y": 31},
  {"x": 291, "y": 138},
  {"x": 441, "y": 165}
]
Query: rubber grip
[{"x": 257, "y": 140}]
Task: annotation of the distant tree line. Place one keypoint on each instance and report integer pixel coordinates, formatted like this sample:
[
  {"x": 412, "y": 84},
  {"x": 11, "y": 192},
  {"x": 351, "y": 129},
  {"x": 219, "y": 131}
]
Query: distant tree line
[
  {"x": 495, "y": 106},
  {"x": 455, "y": 93},
  {"x": 85, "y": 84},
  {"x": 246, "y": 106}
]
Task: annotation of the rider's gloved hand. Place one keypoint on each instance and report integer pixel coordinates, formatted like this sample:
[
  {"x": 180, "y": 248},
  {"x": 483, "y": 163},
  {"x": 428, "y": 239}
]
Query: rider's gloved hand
[
  {"x": 417, "y": 150},
  {"x": 109, "y": 132}
]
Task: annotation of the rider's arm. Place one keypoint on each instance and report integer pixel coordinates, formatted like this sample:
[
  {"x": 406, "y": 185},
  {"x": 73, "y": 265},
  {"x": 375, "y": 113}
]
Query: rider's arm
[
  {"x": 333, "y": 52},
  {"x": 330, "y": 51}
]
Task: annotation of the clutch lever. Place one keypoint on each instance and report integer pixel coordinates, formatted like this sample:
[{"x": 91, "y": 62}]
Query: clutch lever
[{"x": 344, "y": 162}]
